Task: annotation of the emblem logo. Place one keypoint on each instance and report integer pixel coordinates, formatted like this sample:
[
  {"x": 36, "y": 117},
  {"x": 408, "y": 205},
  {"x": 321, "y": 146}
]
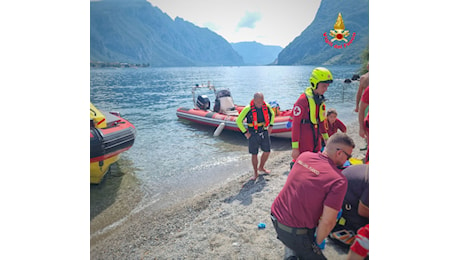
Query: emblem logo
[
  {"x": 296, "y": 111},
  {"x": 339, "y": 34}
]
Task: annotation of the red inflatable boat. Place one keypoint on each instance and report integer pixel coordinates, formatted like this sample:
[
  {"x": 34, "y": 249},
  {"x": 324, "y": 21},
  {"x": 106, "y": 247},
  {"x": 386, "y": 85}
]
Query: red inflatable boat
[{"x": 224, "y": 114}]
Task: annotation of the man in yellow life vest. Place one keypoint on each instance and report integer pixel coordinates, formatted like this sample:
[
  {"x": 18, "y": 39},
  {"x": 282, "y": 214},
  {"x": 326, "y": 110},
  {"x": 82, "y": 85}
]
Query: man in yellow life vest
[
  {"x": 308, "y": 115},
  {"x": 260, "y": 119}
]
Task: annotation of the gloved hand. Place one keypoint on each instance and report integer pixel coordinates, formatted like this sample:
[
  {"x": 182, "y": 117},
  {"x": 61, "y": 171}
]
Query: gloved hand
[
  {"x": 322, "y": 245},
  {"x": 339, "y": 215},
  {"x": 288, "y": 124}
]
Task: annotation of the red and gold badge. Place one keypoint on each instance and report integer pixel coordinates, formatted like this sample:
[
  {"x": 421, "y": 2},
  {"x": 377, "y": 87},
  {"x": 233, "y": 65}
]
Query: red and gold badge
[{"x": 339, "y": 33}]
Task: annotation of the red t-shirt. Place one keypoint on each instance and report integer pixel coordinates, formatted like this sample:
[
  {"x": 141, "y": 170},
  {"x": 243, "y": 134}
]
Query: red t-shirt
[
  {"x": 313, "y": 182},
  {"x": 333, "y": 128}
]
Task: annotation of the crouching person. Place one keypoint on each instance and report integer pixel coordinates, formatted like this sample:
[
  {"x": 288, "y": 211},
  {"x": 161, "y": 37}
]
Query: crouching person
[{"x": 306, "y": 209}]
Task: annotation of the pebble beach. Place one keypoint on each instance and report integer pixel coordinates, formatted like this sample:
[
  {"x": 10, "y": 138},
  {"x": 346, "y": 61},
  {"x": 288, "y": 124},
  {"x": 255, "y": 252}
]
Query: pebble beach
[{"x": 221, "y": 223}]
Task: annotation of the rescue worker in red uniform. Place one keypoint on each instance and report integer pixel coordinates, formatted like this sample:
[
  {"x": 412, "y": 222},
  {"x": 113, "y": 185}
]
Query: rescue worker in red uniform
[{"x": 309, "y": 113}]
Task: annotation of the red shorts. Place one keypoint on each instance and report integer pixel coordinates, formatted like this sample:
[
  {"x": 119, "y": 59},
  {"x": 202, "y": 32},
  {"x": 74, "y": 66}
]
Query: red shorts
[{"x": 361, "y": 244}]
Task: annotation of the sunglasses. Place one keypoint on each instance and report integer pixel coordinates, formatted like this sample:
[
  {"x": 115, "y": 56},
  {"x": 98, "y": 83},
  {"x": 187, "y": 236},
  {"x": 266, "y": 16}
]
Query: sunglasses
[{"x": 347, "y": 154}]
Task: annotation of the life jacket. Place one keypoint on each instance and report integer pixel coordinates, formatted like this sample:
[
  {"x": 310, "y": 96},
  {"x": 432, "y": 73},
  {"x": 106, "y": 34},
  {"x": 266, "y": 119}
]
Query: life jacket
[
  {"x": 314, "y": 115},
  {"x": 312, "y": 107},
  {"x": 254, "y": 115}
]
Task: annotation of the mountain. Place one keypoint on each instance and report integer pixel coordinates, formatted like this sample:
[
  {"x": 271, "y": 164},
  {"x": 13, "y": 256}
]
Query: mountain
[
  {"x": 134, "y": 31},
  {"x": 255, "y": 53},
  {"x": 310, "y": 47}
]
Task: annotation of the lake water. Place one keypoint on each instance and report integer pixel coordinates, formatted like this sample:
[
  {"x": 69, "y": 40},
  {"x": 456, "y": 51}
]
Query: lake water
[{"x": 171, "y": 158}]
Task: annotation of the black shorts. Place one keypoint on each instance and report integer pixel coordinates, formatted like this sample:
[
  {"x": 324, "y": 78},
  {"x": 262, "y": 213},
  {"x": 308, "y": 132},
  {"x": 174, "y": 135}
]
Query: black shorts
[{"x": 261, "y": 139}]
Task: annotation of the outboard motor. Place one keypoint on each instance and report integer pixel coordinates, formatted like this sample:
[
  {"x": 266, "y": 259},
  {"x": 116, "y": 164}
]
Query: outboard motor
[{"x": 203, "y": 102}]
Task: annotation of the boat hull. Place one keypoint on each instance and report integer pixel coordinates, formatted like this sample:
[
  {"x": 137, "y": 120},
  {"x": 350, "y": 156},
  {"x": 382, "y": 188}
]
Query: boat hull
[
  {"x": 107, "y": 144},
  {"x": 210, "y": 118},
  {"x": 98, "y": 169}
]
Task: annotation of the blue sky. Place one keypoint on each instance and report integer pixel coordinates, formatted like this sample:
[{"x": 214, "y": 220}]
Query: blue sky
[{"x": 270, "y": 22}]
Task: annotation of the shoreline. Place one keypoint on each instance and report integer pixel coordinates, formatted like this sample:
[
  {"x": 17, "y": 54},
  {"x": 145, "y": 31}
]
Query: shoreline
[{"x": 219, "y": 223}]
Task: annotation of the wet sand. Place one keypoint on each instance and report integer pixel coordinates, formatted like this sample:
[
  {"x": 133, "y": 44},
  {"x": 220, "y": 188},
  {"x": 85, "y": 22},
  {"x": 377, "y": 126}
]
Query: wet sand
[{"x": 221, "y": 223}]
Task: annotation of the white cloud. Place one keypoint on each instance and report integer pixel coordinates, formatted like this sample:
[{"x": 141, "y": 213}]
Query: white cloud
[{"x": 249, "y": 20}]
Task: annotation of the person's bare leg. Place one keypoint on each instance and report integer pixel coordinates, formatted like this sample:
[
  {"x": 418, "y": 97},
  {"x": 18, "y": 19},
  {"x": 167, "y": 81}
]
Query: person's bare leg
[
  {"x": 264, "y": 159},
  {"x": 255, "y": 161}
]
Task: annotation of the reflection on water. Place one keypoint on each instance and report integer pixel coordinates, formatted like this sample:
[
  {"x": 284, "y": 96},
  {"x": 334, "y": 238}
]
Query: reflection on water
[{"x": 232, "y": 141}]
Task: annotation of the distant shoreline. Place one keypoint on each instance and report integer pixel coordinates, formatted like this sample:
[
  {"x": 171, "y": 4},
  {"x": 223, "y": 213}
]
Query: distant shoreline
[{"x": 100, "y": 64}]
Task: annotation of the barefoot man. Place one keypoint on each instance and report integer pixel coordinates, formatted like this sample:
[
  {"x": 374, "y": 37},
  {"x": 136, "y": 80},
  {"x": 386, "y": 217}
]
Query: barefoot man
[{"x": 260, "y": 119}]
